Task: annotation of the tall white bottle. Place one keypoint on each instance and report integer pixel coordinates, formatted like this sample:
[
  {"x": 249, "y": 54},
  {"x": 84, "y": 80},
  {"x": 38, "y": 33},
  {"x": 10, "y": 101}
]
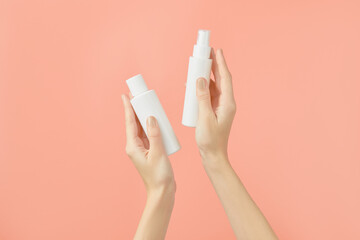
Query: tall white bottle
[
  {"x": 146, "y": 103},
  {"x": 199, "y": 66}
]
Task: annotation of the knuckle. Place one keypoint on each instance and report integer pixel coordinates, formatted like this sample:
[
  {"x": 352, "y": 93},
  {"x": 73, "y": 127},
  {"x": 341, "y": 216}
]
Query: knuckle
[
  {"x": 231, "y": 108},
  {"x": 154, "y": 133},
  {"x": 228, "y": 75},
  {"x": 129, "y": 150},
  {"x": 203, "y": 96}
]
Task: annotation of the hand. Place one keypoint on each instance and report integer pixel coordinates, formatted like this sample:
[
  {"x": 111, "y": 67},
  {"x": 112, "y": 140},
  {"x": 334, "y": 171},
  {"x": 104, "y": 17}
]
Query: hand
[
  {"x": 216, "y": 109},
  {"x": 148, "y": 153},
  {"x": 150, "y": 159},
  {"x": 216, "y": 113}
]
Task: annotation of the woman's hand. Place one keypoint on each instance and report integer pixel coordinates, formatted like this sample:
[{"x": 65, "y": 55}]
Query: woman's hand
[
  {"x": 216, "y": 109},
  {"x": 216, "y": 113},
  {"x": 150, "y": 159},
  {"x": 147, "y": 153}
]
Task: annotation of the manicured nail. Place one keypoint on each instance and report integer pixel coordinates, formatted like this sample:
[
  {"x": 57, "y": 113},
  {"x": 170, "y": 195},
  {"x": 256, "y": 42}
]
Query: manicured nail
[
  {"x": 151, "y": 121},
  {"x": 201, "y": 83}
]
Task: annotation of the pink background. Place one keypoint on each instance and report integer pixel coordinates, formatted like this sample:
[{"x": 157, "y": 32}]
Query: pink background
[{"x": 295, "y": 141}]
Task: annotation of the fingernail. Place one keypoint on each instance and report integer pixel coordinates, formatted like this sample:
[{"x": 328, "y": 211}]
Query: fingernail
[
  {"x": 123, "y": 97},
  {"x": 201, "y": 83},
  {"x": 151, "y": 121}
]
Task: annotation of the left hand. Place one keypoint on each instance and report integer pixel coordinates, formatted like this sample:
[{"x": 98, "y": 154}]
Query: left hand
[{"x": 147, "y": 153}]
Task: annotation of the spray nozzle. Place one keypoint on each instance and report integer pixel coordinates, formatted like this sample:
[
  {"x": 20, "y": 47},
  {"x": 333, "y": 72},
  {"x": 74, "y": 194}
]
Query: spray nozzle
[
  {"x": 202, "y": 48},
  {"x": 203, "y": 37}
]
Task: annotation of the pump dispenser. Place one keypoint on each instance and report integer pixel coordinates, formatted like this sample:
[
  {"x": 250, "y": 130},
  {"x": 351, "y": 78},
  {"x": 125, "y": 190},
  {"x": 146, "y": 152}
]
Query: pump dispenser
[
  {"x": 146, "y": 103},
  {"x": 202, "y": 48},
  {"x": 199, "y": 66}
]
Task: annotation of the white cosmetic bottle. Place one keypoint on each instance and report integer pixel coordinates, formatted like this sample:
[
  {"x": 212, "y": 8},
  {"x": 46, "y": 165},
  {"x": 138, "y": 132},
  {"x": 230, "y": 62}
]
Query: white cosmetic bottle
[
  {"x": 199, "y": 66},
  {"x": 146, "y": 103}
]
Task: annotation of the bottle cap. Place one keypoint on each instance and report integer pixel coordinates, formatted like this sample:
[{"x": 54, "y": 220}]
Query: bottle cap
[
  {"x": 137, "y": 85},
  {"x": 202, "y": 48},
  {"x": 203, "y": 37}
]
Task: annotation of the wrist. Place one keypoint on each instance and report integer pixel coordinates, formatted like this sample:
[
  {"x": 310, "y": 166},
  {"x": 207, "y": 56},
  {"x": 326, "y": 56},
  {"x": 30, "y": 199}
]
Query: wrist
[
  {"x": 215, "y": 162},
  {"x": 163, "y": 192}
]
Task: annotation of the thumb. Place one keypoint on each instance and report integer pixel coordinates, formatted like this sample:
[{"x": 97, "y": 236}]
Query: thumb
[
  {"x": 203, "y": 97},
  {"x": 154, "y": 135}
]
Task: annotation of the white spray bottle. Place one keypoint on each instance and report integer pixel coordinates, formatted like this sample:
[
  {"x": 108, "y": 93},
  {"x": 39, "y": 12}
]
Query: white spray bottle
[
  {"x": 146, "y": 103},
  {"x": 199, "y": 66}
]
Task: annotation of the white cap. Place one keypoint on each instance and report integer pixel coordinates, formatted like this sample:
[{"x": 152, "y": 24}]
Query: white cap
[
  {"x": 202, "y": 48},
  {"x": 137, "y": 85},
  {"x": 203, "y": 37}
]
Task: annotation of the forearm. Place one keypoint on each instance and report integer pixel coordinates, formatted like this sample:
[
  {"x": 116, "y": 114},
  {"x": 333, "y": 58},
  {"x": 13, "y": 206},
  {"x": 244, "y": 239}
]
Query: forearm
[
  {"x": 156, "y": 215},
  {"x": 245, "y": 217}
]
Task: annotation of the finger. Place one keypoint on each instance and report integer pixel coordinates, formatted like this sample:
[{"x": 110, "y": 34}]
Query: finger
[
  {"x": 140, "y": 130},
  {"x": 141, "y": 133},
  {"x": 203, "y": 97},
  {"x": 130, "y": 123},
  {"x": 154, "y": 136},
  {"x": 225, "y": 76},
  {"x": 215, "y": 68},
  {"x": 214, "y": 91}
]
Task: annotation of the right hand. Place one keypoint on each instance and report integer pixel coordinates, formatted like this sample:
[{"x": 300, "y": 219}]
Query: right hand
[{"x": 216, "y": 109}]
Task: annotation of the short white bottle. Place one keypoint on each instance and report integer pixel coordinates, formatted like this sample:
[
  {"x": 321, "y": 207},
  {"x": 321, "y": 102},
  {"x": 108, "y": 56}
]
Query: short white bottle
[
  {"x": 146, "y": 103},
  {"x": 199, "y": 66}
]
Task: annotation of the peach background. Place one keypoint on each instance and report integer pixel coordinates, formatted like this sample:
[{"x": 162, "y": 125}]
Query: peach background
[{"x": 295, "y": 141}]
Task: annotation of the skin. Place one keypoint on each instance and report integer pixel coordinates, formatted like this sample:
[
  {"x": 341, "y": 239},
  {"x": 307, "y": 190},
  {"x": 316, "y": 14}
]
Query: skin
[
  {"x": 153, "y": 165},
  {"x": 217, "y": 109}
]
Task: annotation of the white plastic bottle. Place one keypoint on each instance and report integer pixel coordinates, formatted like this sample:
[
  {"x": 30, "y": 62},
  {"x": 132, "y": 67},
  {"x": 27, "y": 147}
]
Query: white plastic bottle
[
  {"x": 199, "y": 66},
  {"x": 146, "y": 103}
]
